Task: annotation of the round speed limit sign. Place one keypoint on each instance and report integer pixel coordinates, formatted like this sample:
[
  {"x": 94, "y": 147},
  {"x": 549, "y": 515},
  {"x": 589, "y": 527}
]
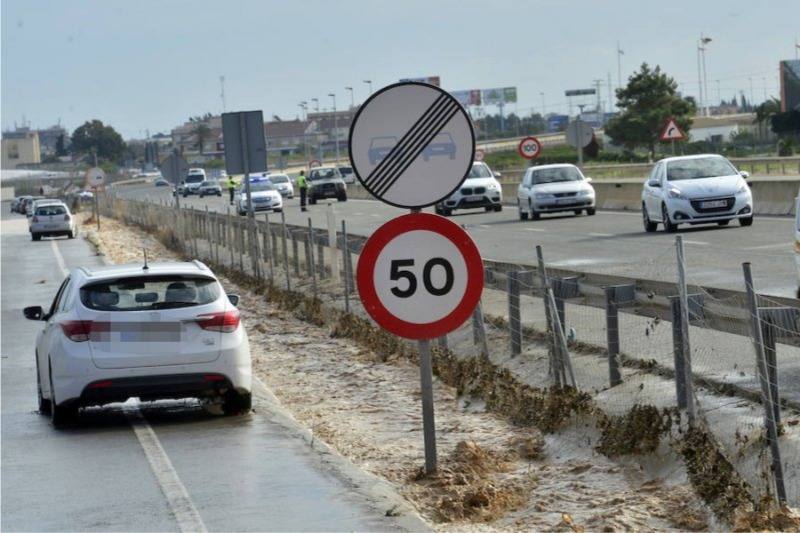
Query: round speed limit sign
[
  {"x": 530, "y": 148},
  {"x": 420, "y": 276}
]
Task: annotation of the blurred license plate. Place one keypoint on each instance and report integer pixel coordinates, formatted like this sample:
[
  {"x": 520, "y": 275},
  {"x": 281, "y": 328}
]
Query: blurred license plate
[
  {"x": 473, "y": 198},
  {"x": 714, "y": 203},
  {"x": 565, "y": 200},
  {"x": 148, "y": 331},
  {"x": 50, "y": 226}
]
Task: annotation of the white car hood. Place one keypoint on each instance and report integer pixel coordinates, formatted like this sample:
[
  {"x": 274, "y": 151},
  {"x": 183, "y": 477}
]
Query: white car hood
[
  {"x": 707, "y": 187},
  {"x": 262, "y": 194},
  {"x": 480, "y": 182},
  {"x": 561, "y": 186}
]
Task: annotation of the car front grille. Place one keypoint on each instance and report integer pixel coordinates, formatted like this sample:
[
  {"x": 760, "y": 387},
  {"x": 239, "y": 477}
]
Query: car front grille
[
  {"x": 697, "y": 205},
  {"x": 565, "y": 194},
  {"x": 466, "y": 190}
]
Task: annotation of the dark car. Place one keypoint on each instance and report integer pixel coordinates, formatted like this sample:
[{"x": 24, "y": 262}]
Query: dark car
[
  {"x": 442, "y": 144},
  {"x": 379, "y": 148},
  {"x": 161, "y": 183}
]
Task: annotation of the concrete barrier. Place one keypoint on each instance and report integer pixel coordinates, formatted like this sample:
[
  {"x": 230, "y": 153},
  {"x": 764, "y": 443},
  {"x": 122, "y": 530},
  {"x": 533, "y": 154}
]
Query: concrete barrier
[{"x": 773, "y": 195}]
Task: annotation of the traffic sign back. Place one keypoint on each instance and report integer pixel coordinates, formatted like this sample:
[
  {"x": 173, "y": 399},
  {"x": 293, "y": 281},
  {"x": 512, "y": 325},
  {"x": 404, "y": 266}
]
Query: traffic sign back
[
  {"x": 579, "y": 134},
  {"x": 420, "y": 276},
  {"x": 411, "y": 144}
]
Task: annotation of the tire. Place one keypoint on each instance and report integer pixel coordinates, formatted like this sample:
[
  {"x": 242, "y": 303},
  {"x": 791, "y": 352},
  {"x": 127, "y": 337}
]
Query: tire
[
  {"x": 498, "y": 208},
  {"x": 60, "y": 415},
  {"x": 342, "y": 198},
  {"x": 36, "y": 237},
  {"x": 649, "y": 226},
  {"x": 200, "y": 195},
  {"x": 535, "y": 215},
  {"x": 219, "y": 194},
  {"x": 72, "y": 234},
  {"x": 723, "y": 222},
  {"x": 578, "y": 211},
  {"x": 234, "y": 403},
  {"x": 669, "y": 226},
  {"x": 44, "y": 404},
  {"x": 591, "y": 211},
  {"x": 488, "y": 208},
  {"x": 446, "y": 212},
  {"x": 745, "y": 222},
  {"x": 523, "y": 215}
]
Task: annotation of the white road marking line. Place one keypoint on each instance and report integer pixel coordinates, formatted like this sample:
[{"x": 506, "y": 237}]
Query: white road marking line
[
  {"x": 183, "y": 509},
  {"x": 533, "y": 229},
  {"x": 601, "y": 234},
  {"x": 787, "y": 245},
  {"x": 698, "y": 243},
  {"x": 484, "y": 226}
]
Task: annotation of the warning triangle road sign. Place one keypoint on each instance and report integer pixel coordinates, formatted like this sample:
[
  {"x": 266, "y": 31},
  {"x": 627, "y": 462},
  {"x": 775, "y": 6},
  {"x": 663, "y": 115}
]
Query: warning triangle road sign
[{"x": 672, "y": 132}]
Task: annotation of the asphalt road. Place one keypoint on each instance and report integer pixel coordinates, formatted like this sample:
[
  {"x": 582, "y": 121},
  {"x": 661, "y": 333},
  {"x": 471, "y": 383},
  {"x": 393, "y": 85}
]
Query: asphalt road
[
  {"x": 164, "y": 466},
  {"x": 611, "y": 242}
]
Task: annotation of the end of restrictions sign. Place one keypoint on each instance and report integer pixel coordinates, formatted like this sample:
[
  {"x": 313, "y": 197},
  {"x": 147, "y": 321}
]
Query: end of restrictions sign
[{"x": 420, "y": 276}]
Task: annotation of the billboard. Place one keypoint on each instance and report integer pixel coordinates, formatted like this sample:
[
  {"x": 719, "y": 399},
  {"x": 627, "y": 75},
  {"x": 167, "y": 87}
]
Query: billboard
[
  {"x": 790, "y": 85},
  {"x": 468, "y": 97},
  {"x": 499, "y": 96},
  {"x": 579, "y": 92},
  {"x": 430, "y": 80}
]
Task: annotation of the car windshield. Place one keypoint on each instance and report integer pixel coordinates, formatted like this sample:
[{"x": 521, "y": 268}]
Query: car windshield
[
  {"x": 146, "y": 293},
  {"x": 479, "y": 171},
  {"x": 702, "y": 167},
  {"x": 322, "y": 174},
  {"x": 51, "y": 210},
  {"x": 197, "y": 178},
  {"x": 383, "y": 142},
  {"x": 210, "y": 183},
  {"x": 258, "y": 186},
  {"x": 346, "y": 170},
  {"x": 555, "y": 175},
  {"x": 279, "y": 178}
]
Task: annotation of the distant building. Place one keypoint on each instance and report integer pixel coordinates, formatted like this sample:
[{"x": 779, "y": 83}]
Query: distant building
[
  {"x": 48, "y": 139},
  {"x": 286, "y": 134},
  {"x": 20, "y": 147},
  {"x": 790, "y": 85},
  {"x": 718, "y": 129},
  {"x": 557, "y": 123},
  {"x": 187, "y": 142}
]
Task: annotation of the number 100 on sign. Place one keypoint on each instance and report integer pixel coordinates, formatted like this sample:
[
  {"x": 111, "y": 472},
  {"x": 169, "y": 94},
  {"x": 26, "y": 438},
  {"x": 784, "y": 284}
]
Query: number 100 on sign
[{"x": 420, "y": 276}]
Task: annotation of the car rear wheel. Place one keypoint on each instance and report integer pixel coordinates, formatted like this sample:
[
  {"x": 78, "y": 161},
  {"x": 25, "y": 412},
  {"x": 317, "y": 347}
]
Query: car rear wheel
[
  {"x": 36, "y": 237},
  {"x": 578, "y": 211},
  {"x": 535, "y": 215},
  {"x": 44, "y": 404},
  {"x": 72, "y": 234},
  {"x": 746, "y": 221},
  {"x": 234, "y": 403},
  {"x": 591, "y": 211},
  {"x": 60, "y": 415},
  {"x": 498, "y": 208},
  {"x": 342, "y": 197},
  {"x": 669, "y": 226},
  {"x": 523, "y": 215},
  {"x": 649, "y": 226}
]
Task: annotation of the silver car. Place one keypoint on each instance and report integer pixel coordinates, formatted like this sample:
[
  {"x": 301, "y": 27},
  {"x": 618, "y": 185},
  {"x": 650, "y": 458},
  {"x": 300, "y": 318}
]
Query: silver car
[
  {"x": 51, "y": 219},
  {"x": 553, "y": 189}
]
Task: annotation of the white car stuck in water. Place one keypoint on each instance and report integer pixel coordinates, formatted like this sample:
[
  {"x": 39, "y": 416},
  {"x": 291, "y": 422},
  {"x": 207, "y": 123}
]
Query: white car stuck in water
[
  {"x": 697, "y": 189},
  {"x": 167, "y": 330}
]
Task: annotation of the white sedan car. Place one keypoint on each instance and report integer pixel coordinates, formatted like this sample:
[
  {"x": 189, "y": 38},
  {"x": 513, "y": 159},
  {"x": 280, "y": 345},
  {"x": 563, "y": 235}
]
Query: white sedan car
[
  {"x": 167, "y": 330},
  {"x": 697, "y": 189},
  {"x": 265, "y": 196},
  {"x": 283, "y": 184},
  {"x": 553, "y": 189}
]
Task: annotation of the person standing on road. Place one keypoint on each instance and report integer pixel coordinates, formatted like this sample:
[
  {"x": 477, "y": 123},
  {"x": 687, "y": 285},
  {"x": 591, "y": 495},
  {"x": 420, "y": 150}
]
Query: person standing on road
[
  {"x": 231, "y": 187},
  {"x": 303, "y": 186}
]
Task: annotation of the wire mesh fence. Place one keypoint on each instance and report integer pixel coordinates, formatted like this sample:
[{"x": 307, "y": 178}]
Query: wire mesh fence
[{"x": 661, "y": 359}]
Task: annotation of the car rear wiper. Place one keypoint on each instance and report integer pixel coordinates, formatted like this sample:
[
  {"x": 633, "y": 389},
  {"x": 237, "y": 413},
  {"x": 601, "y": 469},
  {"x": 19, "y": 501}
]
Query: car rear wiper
[{"x": 171, "y": 305}]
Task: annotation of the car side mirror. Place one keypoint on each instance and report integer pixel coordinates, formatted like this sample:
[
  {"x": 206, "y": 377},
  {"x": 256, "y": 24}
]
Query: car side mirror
[
  {"x": 233, "y": 299},
  {"x": 654, "y": 183},
  {"x": 588, "y": 179},
  {"x": 35, "y": 312},
  {"x": 497, "y": 174},
  {"x": 744, "y": 174}
]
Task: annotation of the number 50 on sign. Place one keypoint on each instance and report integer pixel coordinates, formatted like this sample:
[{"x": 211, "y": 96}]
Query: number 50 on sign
[{"x": 420, "y": 276}]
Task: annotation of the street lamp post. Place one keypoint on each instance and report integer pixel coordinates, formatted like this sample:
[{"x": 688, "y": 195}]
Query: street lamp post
[
  {"x": 544, "y": 107},
  {"x": 702, "y": 79},
  {"x": 335, "y": 126},
  {"x": 303, "y": 109},
  {"x": 352, "y": 98},
  {"x": 316, "y": 104},
  {"x": 369, "y": 84}
]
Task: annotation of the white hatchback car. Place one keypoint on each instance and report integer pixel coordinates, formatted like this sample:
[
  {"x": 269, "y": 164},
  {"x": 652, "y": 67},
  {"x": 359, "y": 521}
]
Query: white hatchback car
[
  {"x": 167, "y": 330},
  {"x": 553, "y": 189},
  {"x": 697, "y": 189},
  {"x": 283, "y": 184},
  {"x": 51, "y": 218}
]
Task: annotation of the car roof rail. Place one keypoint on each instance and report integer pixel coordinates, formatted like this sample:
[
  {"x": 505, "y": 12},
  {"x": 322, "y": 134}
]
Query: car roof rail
[{"x": 199, "y": 264}]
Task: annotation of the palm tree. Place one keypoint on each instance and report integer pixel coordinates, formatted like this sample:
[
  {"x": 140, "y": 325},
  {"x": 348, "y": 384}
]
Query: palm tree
[
  {"x": 764, "y": 113},
  {"x": 201, "y": 132}
]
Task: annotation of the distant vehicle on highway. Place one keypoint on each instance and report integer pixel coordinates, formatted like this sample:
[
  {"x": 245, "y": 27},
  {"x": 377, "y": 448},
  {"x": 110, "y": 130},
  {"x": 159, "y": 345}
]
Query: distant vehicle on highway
[
  {"x": 265, "y": 196},
  {"x": 283, "y": 184},
  {"x": 161, "y": 183},
  {"x": 26, "y": 203},
  {"x": 480, "y": 190},
  {"x": 209, "y": 188},
  {"x": 16, "y": 204},
  {"x": 379, "y": 147},
  {"x": 37, "y": 201},
  {"x": 51, "y": 218},
  {"x": 442, "y": 144},
  {"x": 797, "y": 240},
  {"x": 164, "y": 331},
  {"x": 326, "y": 182},
  {"x": 347, "y": 174},
  {"x": 554, "y": 189},
  {"x": 192, "y": 182},
  {"x": 697, "y": 189},
  {"x": 86, "y": 195}
]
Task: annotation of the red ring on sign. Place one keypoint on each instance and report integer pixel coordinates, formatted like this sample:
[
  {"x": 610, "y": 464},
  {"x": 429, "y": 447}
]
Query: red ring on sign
[
  {"x": 365, "y": 275},
  {"x": 529, "y": 156}
]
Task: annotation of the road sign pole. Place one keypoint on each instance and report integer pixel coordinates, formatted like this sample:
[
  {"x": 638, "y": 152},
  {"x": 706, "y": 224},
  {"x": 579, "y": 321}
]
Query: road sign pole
[
  {"x": 428, "y": 423},
  {"x": 579, "y": 143}
]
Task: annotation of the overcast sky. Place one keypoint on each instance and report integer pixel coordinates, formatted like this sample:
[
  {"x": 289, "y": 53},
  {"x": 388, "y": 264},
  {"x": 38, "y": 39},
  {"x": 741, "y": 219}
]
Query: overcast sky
[{"x": 150, "y": 64}]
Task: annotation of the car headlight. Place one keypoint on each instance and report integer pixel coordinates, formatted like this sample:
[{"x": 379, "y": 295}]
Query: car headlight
[
  {"x": 586, "y": 192},
  {"x": 676, "y": 193},
  {"x": 494, "y": 186}
]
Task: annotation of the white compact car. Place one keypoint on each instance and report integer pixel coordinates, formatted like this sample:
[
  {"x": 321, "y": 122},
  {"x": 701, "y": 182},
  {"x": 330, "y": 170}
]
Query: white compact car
[
  {"x": 265, "y": 196},
  {"x": 480, "y": 190},
  {"x": 51, "y": 218},
  {"x": 283, "y": 184},
  {"x": 698, "y": 189},
  {"x": 167, "y": 330},
  {"x": 554, "y": 189}
]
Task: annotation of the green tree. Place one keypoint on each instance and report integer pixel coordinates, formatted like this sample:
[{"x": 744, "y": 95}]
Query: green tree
[
  {"x": 201, "y": 132},
  {"x": 95, "y": 137},
  {"x": 646, "y": 103},
  {"x": 61, "y": 149},
  {"x": 766, "y": 109}
]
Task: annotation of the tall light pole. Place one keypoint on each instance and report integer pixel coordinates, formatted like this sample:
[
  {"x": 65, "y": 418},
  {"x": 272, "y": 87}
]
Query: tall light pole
[
  {"x": 316, "y": 104},
  {"x": 705, "y": 41},
  {"x": 302, "y": 106},
  {"x": 620, "y": 53},
  {"x": 719, "y": 93},
  {"x": 752, "y": 93},
  {"x": 222, "y": 91},
  {"x": 335, "y": 126},
  {"x": 544, "y": 107},
  {"x": 702, "y": 74},
  {"x": 369, "y": 84},
  {"x": 352, "y": 98}
]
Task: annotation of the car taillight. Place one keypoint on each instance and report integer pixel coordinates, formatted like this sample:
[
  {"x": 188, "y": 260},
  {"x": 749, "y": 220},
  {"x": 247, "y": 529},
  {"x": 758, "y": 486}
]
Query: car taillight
[
  {"x": 226, "y": 321},
  {"x": 35, "y": 219},
  {"x": 77, "y": 330}
]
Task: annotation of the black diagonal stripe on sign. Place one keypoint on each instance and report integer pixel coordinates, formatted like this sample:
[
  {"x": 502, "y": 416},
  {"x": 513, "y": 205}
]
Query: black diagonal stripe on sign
[
  {"x": 396, "y": 149},
  {"x": 411, "y": 144},
  {"x": 419, "y": 149}
]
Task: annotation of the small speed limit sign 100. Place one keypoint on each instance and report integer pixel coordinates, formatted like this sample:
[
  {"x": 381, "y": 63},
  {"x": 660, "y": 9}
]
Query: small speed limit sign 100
[{"x": 420, "y": 276}]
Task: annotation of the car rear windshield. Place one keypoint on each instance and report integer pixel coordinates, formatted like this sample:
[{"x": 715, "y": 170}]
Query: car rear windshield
[
  {"x": 346, "y": 170},
  {"x": 555, "y": 175},
  {"x": 704, "y": 167},
  {"x": 322, "y": 174},
  {"x": 480, "y": 171},
  {"x": 197, "y": 178},
  {"x": 258, "y": 186},
  {"x": 278, "y": 178},
  {"x": 147, "y": 293},
  {"x": 51, "y": 210}
]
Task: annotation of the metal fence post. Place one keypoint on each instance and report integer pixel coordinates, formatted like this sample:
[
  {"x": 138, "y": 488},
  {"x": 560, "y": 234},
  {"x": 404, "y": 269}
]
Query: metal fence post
[
  {"x": 442, "y": 342},
  {"x": 428, "y": 423},
  {"x": 514, "y": 320},
  {"x": 677, "y": 350},
  {"x": 479, "y": 330},
  {"x": 768, "y": 335},
  {"x": 270, "y": 251},
  {"x": 295, "y": 255},
  {"x": 683, "y": 293},
  {"x": 344, "y": 264},
  {"x": 551, "y": 347},
  {"x": 285, "y": 254},
  {"x": 612, "y": 337},
  {"x": 766, "y": 393},
  {"x": 229, "y": 233},
  {"x": 310, "y": 257}
]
